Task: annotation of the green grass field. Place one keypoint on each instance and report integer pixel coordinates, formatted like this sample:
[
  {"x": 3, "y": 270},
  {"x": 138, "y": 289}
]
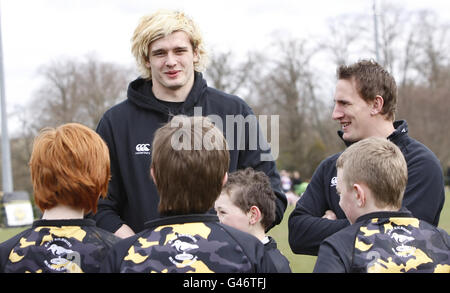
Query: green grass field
[{"x": 299, "y": 263}]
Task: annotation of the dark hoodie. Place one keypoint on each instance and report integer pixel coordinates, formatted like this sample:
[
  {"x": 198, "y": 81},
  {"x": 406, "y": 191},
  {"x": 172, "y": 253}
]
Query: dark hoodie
[
  {"x": 424, "y": 195},
  {"x": 128, "y": 130}
]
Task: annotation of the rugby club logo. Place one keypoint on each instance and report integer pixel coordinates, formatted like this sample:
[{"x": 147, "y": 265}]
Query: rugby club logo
[
  {"x": 333, "y": 182},
  {"x": 185, "y": 247},
  {"x": 143, "y": 149},
  {"x": 61, "y": 257}
]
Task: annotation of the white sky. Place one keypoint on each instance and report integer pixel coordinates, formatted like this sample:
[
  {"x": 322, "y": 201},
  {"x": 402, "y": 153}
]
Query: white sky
[{"x": 35, "y": 32}]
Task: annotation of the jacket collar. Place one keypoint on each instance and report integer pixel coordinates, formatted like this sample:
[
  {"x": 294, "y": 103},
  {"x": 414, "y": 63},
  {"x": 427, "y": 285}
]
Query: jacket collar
[
  {"x": 64, "y": 222},
  {"x": 401, "y": 131},
  {"x": 402, "y": 213},
  {"x": 181, "y": 219},
  {"x": 271, "y": 243}
]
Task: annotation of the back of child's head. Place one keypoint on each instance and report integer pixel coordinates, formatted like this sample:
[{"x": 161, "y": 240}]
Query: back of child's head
[
  {"x": 189, "y": 161},
  {"x": 249, "y": 188},
  {"x": 69, "y": 166},
  {"x": 379, "y": 164}
]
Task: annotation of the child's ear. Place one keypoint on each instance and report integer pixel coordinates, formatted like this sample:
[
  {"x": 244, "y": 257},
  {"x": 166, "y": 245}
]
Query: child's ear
[
  {"x": 152, "y": 175},
  {"x": 360, "y": 195},
  {"x": 255, "y": 215},
  {"x": 225, "y": 178}
]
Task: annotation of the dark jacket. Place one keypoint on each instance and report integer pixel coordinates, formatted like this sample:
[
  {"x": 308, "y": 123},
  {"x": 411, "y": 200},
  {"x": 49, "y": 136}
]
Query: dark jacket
[
  {"x": 57, "y": 246},
  {"x": 424, "y": 194},
  {"x": 390, "y": 242},
  {"x": 128, "y": 130},
  {"x": 278, "y": 259},
  {"x": 189, "y": 243}
]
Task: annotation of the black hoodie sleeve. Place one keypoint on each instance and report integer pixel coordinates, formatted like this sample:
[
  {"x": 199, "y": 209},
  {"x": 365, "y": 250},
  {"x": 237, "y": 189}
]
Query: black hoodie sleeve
[
  {"x": 425, "y": 192},
  {"x": 307, "y": 228},
  {"x": 107, "y": 216}
]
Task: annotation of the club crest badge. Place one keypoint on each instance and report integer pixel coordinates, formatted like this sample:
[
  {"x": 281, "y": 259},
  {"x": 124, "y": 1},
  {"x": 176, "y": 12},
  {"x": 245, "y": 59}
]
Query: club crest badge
[
  {"x": 60, "y": 256},
  {"x": 185, "y": 247}
]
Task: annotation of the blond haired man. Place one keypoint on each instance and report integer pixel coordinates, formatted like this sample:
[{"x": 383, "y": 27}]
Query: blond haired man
[
  {"x": 383, "y": 237},
  {"x": 170, "y": 54},
  {"x": 186, "y": 238}
]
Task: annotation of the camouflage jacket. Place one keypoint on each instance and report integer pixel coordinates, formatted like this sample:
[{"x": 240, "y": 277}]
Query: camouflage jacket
[
  {"x": 188, "y": 243},
  {"x": 391, "y": 242},
  {"x": 57, "y": 246}
]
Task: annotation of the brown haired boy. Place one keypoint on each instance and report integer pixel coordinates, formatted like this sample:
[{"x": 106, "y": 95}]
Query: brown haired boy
[
  {"x": 189, "y": 167},
  {"x": 247, "y": 203}
]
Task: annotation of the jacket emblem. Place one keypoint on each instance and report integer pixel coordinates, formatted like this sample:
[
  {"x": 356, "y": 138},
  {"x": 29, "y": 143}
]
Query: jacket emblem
[
  {"x": 183, "y": 244},
  {"x": 143, "y": 149},
  {"x": 333, "y": 181}
]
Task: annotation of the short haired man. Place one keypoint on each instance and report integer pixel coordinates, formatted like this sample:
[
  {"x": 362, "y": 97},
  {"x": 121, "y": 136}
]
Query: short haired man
[
  {"x": 170, "y": 54},
  {"x": 186, "y": 238},
  {"x": 247, "y": 203},
  {"x": 383, "y": 237},
  {"x": 365, "y": 103},
  {"x": 70, "y": 171}
]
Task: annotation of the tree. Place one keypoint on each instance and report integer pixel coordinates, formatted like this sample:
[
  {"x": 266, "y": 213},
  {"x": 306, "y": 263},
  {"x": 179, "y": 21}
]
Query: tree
[
  {"x": 413, "y": 47},
  {"x": 230, "y": 75},
  {"x": 77, "y": 91},
  {"x": 289, "y": 87},
  {"x": 344, "y": 33},
  {"x": 72, "y": 90}
]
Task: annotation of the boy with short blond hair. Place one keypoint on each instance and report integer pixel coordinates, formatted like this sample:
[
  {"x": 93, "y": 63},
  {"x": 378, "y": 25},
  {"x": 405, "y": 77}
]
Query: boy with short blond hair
[{"x": 383, "y": 237}]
